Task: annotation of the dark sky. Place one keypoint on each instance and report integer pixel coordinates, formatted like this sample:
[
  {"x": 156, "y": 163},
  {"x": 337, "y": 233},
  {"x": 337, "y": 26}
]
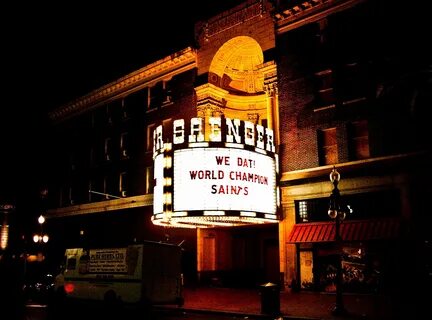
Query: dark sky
[{"x": 55, "y": 52}]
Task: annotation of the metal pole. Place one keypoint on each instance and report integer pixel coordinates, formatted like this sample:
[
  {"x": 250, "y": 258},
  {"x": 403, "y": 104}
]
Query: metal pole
[{"x": 339, "y": 308}]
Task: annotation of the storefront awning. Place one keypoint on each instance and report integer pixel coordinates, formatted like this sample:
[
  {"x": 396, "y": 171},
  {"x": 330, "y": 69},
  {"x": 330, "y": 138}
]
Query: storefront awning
[{"x": 355, "y": 230}]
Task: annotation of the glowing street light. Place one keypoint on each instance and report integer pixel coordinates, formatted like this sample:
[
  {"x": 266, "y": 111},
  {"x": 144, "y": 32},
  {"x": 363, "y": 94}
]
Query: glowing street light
[{"x": 41, "y": 237}]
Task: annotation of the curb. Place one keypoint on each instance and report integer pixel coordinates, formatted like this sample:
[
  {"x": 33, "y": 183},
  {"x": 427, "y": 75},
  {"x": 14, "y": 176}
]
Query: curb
[{"x": 236, "y": 314}]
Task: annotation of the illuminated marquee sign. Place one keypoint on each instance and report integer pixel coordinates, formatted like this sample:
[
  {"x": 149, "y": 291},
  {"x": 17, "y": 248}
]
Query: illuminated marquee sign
[{"x": 230, "y": 179}]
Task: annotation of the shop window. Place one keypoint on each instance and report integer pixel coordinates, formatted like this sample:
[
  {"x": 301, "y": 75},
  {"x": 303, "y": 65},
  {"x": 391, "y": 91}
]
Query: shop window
[
  {"x": 358, "y": 140},
  {"x": 327, "y": 146}
]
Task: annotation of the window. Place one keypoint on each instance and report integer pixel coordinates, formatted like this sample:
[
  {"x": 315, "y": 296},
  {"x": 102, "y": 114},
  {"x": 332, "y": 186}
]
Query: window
[
  {"x": 71, "y": 195},
  {"x": 167, "y": 95},
  {"x": 150, "y": 129},
  {"x": 303, "y": 212},
  {"x": 353, "y": 82},
  {"x": 327, "y": 146},
  {"x": 167, "y": 129},
  {"x": 135, "y": 101},
  {"x": 124, "y": 145},
  {"x": 108, "y": 149},
  {"x": 72, "y": 161},
  {"x": 92, "y": 156},
  {"x": 124, "y": 107},
  {"x": 324, "y": 88},
  {"x": 160, "y": 95},
  {"x": 156, "y": 95},
  {"x": 108, "y": 115},
  {"x": 123, "y": 183},
  {"x": 358, "y": 140},
  {"x": 149, "y": 180},
  {"x": 110, "y": 187},
  {"x": 378, "y": 204}
]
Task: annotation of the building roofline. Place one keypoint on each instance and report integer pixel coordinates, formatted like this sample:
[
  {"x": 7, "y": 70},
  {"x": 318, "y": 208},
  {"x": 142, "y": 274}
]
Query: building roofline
[{"x": 164, "y": 68}]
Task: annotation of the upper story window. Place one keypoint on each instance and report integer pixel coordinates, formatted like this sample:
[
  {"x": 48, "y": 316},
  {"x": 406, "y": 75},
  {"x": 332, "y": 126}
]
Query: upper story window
[
  {"x": 71, "y": 196},
  {"x": 168, "y": 128},
  {"x": 352, "y": 84},
  {"x": 108, "y": 149},
  {"x": 72, "y": 162},
  {"x": 167, "y": 125},
  {"x": 124, "y": 145},
  {"x": 123, "y": 184},
  {"x": 134, "y": 102},
  {"x": 149, "y": 142},
  {"x": 159, "y": 95},
  {"x": 327, "y": 146},
  {"x": 358, "y": 144},
  {"x": 325, "y": 96},
  {"x": 124, "y": 109},
  {"x": 156, "y": 95},
  {"x": 109, "y": 114},
  {"x": 110, "y": 186},
  {"x": 150, "y": 179}
]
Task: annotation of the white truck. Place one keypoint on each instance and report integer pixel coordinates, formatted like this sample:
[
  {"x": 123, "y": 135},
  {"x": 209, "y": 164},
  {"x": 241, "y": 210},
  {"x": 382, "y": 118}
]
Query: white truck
[{"x": 148, "y": 273}]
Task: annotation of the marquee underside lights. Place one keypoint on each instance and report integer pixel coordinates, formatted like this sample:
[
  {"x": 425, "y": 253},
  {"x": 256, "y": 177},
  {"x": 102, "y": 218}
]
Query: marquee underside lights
[{"x": 222, "y": 173}]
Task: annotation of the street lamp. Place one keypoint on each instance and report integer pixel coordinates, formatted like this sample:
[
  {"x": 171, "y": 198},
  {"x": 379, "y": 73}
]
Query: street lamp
[
  {"x": 338, "y": 212},
  {"x": 41, "y": 237}
]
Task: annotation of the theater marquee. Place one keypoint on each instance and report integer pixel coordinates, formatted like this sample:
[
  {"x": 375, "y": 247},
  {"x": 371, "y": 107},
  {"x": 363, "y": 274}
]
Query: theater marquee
[{"x": 227, "y": 179}]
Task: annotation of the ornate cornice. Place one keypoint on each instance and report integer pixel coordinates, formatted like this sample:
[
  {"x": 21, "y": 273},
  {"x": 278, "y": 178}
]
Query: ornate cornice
[
  {"x": 164, "y": 68},
  {"x": 225, "y": 20},
  {"x": 308, "y": 11}
]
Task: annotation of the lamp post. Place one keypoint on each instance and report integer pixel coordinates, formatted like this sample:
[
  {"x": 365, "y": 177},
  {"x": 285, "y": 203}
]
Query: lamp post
[
  {"x": 41, "y": 237},
  {"x": 337, "y": 212}
]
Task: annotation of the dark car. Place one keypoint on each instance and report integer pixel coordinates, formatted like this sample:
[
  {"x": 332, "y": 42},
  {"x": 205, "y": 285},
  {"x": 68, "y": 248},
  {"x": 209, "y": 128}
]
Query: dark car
[{"x": 40, "y": 289}]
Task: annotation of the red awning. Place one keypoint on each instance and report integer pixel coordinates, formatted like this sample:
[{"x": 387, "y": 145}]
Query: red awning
[{"x": 355, "y": 230}]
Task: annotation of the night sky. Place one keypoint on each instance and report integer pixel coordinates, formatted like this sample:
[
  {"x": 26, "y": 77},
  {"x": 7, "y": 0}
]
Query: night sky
[{"x": 55, "y": 52}]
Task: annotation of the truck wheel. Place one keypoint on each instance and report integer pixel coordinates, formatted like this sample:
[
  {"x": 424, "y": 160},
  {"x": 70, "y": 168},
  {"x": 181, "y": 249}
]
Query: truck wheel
[
  {"x": 113, "y": 306},
  {"x": 110, "y": 296}
]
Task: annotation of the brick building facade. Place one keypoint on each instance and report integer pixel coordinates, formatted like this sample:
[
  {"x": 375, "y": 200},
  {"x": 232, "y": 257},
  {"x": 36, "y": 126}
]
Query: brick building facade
[{"x": 336, "y": 91}]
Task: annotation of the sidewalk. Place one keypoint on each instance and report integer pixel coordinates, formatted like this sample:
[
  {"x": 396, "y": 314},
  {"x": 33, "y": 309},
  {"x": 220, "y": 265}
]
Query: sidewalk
[{"x": 304, "y": 305}]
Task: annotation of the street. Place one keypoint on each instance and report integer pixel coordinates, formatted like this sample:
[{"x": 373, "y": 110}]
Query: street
[{"x": 42, "y": 312}]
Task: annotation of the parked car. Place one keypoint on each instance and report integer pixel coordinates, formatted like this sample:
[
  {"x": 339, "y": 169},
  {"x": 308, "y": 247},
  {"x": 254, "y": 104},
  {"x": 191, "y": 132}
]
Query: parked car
[{"x": 39, "y": 289}]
